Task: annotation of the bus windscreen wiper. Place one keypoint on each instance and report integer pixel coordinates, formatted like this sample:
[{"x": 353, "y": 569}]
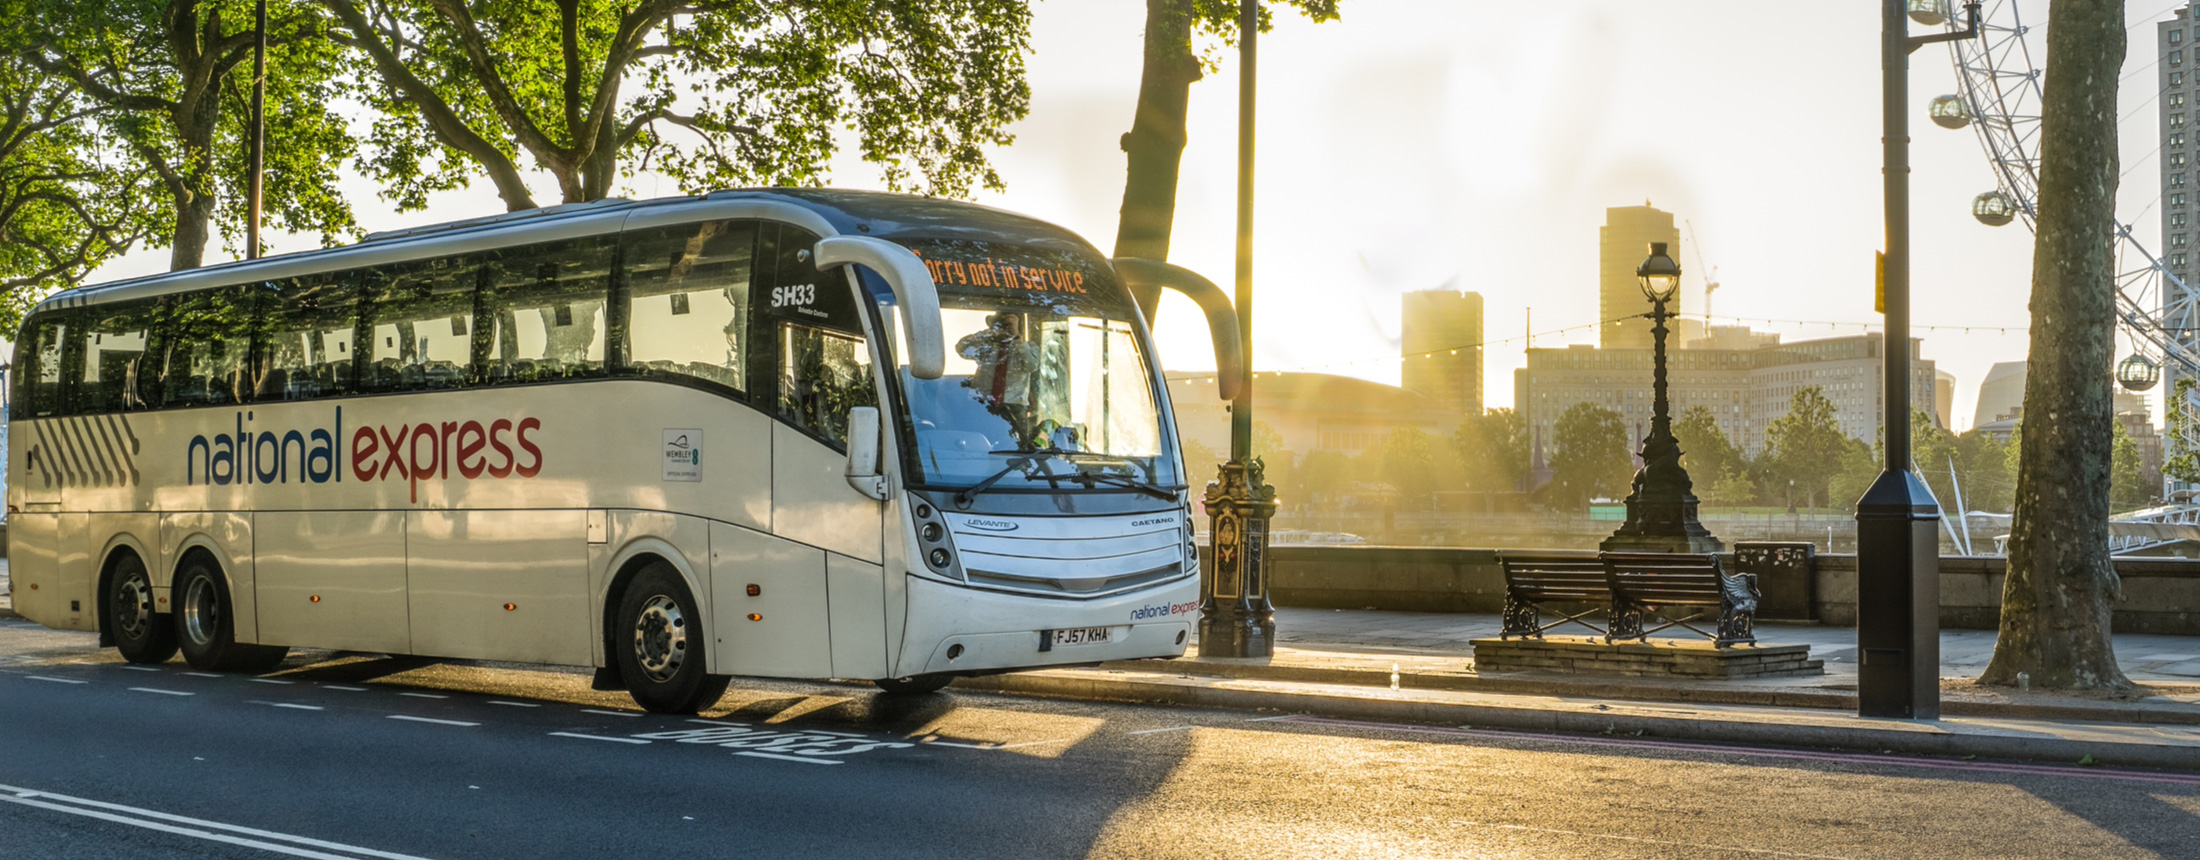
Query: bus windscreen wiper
[{"x": 1154, "y": 490}]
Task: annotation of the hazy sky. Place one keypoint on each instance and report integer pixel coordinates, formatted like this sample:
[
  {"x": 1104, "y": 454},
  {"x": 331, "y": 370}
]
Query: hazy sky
[{"x": 1420, "y": 143}]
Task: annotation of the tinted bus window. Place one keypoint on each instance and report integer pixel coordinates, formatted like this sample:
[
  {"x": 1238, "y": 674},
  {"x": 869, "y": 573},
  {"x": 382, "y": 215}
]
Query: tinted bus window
[
  {"x": 546, "y": 304},
  {"x": 688, "y": 311},
  {"x": 113, "y": 339},
  {"x": 204, "y": 350},
  {"x": 38, "y": 367},
  {"x": 422, "y": 335},
  {"x": 824, "y": 365},
  {"x": 310, "y": 349}
]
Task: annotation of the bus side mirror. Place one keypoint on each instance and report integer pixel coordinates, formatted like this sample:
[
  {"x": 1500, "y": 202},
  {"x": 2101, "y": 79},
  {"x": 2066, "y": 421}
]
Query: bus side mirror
[
  {"x": 1145, "y": 280},
  {"x": 919, "y": 297},
  {"x": 863, "y": 470}
]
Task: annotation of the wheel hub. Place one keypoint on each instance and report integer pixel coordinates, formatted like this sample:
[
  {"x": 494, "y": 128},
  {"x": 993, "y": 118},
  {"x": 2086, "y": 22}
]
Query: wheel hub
[
  {"x": 201, "y": 612},
  {"x": 134, "y": 607},
  {"x": 660, "y": 638}
]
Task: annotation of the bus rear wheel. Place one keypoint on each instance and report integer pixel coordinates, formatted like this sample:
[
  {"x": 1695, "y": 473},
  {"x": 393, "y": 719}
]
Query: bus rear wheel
[
  {"x": 205, "y": 625},
  {"x": 142, "y": 635},
  {"x": 915, "y": 685},
  {"x": 658, "y": 636}
]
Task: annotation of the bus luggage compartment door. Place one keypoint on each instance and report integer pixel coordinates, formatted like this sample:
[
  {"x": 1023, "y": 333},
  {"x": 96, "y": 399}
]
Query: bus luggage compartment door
[{"x": 768, "y": 605}]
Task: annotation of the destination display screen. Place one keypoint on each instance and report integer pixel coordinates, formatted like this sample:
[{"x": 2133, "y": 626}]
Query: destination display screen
[{"x": 1032, "y": 276}]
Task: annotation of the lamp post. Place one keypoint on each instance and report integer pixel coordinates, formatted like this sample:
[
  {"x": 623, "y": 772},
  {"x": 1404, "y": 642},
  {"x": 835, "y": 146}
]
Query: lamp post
[
  {"x": 1235, "y": 617},
  {"x": 1898, "y": 520},
  {"x": 1661, "y": 512}
]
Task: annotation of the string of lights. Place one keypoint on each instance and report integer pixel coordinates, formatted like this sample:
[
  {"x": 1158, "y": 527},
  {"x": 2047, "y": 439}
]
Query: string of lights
[{"x": 1804, "y": 326}]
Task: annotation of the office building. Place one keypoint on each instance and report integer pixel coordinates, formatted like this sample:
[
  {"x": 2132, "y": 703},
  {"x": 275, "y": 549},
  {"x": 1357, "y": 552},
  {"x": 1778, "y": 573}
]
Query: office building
[
  {"x": 1745, "y": 389},
  {"x": 1441, "y": 347},
  {"x": 1623, "y": 242},
  {"x": 2177, "y": 105}
]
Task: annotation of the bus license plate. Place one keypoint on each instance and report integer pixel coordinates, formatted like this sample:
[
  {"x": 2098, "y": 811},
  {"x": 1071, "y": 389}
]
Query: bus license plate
[{"x": 1081, "y": 635}]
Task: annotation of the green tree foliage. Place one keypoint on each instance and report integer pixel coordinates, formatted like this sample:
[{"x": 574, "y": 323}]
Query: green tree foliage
[
  {"x": 711, "y": 94},
  {"x": 63, "y": 209},
  {"x": 1706, "y": 452},
  {"x": 1493, "y": 450},
  {"x": 1325, "y": 476},
  {"x": 1408, "y": 463},
  {"x": 167, "y": 92},
  {"x": 2127, "y": 490},
  {"x": 1806, "y": 445},
  {"x": 1591, "y": 459},
  {"x": 1857, "y": 466},
  {"x": 1155, "y": 143}
]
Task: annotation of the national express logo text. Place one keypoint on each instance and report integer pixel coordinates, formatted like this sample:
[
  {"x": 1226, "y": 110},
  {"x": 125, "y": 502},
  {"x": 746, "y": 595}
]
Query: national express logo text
[{"x": 406, "y": 452}]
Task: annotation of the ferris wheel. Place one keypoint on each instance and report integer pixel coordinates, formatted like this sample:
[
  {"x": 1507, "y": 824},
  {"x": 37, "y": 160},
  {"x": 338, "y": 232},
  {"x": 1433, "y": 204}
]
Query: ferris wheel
[{"x": 1999, "y": 78}]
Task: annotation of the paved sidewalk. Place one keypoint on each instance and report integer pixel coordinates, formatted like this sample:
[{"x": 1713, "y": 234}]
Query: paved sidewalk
[{"x": 1419, "y": 667}]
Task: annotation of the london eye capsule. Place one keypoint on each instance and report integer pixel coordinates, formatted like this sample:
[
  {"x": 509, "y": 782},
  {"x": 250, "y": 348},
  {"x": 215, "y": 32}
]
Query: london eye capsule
[
  {"x": 1993, "y": 209},
  {"x": 1931, "y": 13},
  {"x": 1949, "y": 111},
  {"x": 2138, "y": 373}
]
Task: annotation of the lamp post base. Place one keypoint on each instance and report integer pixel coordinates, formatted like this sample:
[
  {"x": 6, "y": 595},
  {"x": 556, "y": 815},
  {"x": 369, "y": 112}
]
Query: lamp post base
[
  {"x": 1898, "y": 599},
  {"x": 1235, "y": 618}
]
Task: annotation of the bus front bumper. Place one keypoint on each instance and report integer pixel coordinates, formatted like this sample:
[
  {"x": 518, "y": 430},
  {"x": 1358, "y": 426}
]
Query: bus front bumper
[{"x": 963, "y": 630}]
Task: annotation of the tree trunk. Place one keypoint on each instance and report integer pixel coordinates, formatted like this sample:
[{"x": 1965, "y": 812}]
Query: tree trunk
[
  {"x": 1155, "y": 143},
  {"x": 2056, "y": 601}
]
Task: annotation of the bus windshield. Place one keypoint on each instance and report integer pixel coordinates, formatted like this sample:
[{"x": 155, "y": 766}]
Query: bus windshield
[{"x": 1047, "y": 381}]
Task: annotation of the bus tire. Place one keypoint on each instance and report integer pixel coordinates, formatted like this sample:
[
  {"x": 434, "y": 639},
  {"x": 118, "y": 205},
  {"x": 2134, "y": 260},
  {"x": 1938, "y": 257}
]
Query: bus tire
[
  {"x": 142, "y": 635},
  {"x": 205, "y": 629},
  {"x": 658, "y": 636},
  {"x": 915, "y": 685}
]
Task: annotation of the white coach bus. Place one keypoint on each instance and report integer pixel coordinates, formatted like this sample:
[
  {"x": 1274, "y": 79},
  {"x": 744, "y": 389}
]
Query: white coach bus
[{"x": 782, "y": 433}]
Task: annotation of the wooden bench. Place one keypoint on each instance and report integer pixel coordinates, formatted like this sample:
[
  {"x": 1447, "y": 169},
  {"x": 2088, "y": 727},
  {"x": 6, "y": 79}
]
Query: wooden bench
[
  {"x": 1656, "y": 583},
  {"x": 1534, "y": 578}
]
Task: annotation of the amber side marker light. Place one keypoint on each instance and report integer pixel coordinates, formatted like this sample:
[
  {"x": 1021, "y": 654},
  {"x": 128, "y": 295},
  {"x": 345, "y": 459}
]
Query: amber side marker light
[
  {"x": 510, "y": 606},
  {"x": 755, "y": 617},
  {"x": 755, "y": 589},
  {"x": 315, "y": 598}
]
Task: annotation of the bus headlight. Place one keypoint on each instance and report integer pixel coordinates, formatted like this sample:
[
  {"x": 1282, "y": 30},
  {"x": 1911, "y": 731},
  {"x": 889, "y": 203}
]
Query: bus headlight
[{"x": 940, "y": 558}]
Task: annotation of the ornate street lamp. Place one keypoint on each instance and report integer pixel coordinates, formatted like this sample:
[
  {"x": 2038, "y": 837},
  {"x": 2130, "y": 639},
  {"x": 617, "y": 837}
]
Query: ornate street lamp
[
  {"x": 1235, "y": 617},
  {"x": 1661, "y": 512}
]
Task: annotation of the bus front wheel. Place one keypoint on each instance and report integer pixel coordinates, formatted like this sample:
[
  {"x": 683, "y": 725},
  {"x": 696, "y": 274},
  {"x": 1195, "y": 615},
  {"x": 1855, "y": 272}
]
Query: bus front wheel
[
  {"x": 142, "y": 635},
  {"x": 205, "y": 626},
  {"x": 659, "y": 640}
]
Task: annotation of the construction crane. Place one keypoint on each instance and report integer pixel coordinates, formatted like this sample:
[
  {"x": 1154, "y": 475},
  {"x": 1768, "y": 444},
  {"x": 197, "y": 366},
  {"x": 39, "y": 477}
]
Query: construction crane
[{"x": 1711, "y": 278}]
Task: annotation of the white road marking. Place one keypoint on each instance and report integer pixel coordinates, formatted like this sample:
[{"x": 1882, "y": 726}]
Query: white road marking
[
  {"x": 56, "y": 680},
  {"x": 204, "y": 674},
  {"x": 957, "y": 745},
  {"x": 266, "y": 840},
  {"x": 598, "y": 738},
  {"x": 432, "y": 720},
  {"x": 140, "y": 668},
  {"x": 513, "y": 704},
  {"x": 790, "y": 758},
  {"x": 610, "y": 713},
  {"x": 162, "y": 692},
  {"x": 297, "y": 706},
  {"x": 1266, "y": 719},
  {"x": 425, "y": 695},
  {"x": 1169, "y": 729},
  {"x": 269, "y": 681},
  {"x": 707, "y": 722},
  {"x": 345, "y": 689}
]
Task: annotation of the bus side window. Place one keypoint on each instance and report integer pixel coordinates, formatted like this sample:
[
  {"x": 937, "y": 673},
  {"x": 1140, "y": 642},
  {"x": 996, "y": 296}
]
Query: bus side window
[
  {"x": 307, "y": 350},
  {"x": 204, "y": 358},
  {"x": 824, "y": 364},
  {"x": 689, "y": 307},
  {"x": 423, "y": 326},
  {"x": 113, "y": 341},
  {"x": 549, "y": 302},
  {"x": 38, "y": 367}
]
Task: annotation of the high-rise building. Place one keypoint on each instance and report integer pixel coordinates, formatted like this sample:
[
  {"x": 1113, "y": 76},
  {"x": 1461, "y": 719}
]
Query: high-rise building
[
  {"x": 2177, "y": 104},
  {"x": 1441, "y": 345},
  {"x": 1624, "y": 242},
  {"x": 2001, "y": 394}
]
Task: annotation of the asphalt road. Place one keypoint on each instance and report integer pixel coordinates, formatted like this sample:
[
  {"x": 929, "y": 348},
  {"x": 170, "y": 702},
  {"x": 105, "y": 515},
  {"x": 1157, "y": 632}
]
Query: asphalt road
[{"x": 361, "y": 756}]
